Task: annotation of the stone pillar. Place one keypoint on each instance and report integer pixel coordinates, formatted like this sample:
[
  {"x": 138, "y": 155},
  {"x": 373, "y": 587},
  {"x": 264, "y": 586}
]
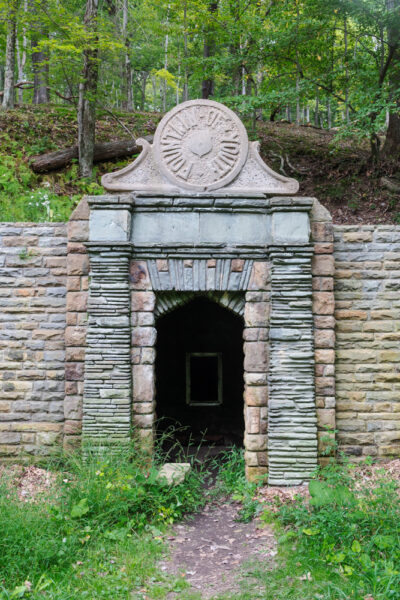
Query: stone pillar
[
  {"x": 107, "y": 396},
  {"x": 292, "y": 421}
]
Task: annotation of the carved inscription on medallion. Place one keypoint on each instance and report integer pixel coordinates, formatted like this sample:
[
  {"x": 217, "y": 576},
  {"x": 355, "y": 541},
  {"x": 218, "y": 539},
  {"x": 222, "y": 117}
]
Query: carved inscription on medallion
[{"x": 200, "y": 145}]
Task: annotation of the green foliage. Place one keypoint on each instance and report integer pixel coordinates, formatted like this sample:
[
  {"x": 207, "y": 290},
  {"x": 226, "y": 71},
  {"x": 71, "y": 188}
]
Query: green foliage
[
  {"x": 347, "y": 536},
  {"x": 231, "y": 480},
  {"x": 99, "y": 505}
]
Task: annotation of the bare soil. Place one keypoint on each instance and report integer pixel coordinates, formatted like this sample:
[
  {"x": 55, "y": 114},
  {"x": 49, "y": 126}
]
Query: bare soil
[{"x": 210, "y": 549}]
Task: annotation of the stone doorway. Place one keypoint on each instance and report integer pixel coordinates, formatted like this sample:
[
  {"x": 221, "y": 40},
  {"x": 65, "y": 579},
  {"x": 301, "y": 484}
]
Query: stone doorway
[{"x": 199, "y": 374}]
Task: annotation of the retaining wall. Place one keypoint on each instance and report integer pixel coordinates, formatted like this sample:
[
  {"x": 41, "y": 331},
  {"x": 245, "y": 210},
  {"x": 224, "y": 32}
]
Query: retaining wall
[
  {"x": 41, "y": 355},
  {"x": 32, "y": 324}
]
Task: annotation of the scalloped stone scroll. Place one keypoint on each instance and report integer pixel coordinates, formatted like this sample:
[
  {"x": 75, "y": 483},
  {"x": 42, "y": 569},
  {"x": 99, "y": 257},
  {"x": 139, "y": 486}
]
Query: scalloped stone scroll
[{"x": 200, "y": 146}]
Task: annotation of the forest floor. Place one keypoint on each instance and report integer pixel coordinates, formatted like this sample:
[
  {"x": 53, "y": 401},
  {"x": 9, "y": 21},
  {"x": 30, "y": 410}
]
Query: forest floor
[{"x": 337, "y": 172}]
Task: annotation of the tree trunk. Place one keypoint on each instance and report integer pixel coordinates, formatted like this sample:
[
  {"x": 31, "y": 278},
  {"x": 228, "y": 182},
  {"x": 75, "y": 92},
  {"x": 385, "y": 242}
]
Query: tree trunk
[
  {"x": 51, "y": 161},
  {"x": 21, "y": 56},
  {"x": 391, "y": 148},
  {"x": 185, "y": 54},
  {"x": 87, "y": 93},
  {"x": 127, "y": 103},
  {"x": 207, "y": 86},
  {"x": 9, "y": 77},
  {"x": 40, "y": 59}
]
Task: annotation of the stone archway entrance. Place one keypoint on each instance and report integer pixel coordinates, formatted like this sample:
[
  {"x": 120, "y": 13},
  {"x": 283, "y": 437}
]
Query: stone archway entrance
[{"x": 199, "y": 373}]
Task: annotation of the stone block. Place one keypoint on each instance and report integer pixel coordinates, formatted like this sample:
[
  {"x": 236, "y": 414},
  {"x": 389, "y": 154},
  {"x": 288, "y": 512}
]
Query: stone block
[
  {"x": 357, "y": 236},
  {"x": 252, "y": 419},
  {"x": 290, "y": 228},
  {"x": 260, "y": 276},
  {"x": 109, "y": 225},
  {"x": 256, "y": 395},
  {"x": 323, "y": 303},
  {"x": 143, "y": 383},
  {"x": 256, "y": 314},
  {"x": 322, "y": 232},
  {"x": 9, "y": 437},
  {"x": 74, "y": 371},
  {"x": 326, "y": 417},
  {"x": 47, "y": 438},
  {"x": 255, "y": 442},
  {"x": 323, "y": 264},
  {"x": 143, "y": 421},
  {"x": 144, "y": 336},
  {"x": 139, "y": 276},
  {"x": 75, "y": 336},
  {"x": 143, "y": 301},
  {"x": 324, "y": 356},
  {"x": 78, "y": 231},
  {"x": 72, "y": 427},
  {"x": 73, "y": 407},
  {"x": 255, "y": 474},
  {"x": 324, "y": 338},
  {"x": 255, "y": 356},
  {"x": 78, "y": 264},
  {"x": 81, "y": 212},
  {"x": 77, "y": 301}
]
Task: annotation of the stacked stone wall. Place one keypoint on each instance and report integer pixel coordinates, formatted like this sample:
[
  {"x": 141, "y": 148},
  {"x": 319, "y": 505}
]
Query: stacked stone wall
[
  {"x": 32, "y": 326},
  {"x": 323, "y": 268},
  {"x": 76, "y": 321},
  {"x": 367, "y": 291}
]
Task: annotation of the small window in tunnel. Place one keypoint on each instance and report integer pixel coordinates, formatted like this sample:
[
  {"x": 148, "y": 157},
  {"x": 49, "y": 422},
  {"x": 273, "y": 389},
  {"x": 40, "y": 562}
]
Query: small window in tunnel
[{"x": 204, "y": 378}]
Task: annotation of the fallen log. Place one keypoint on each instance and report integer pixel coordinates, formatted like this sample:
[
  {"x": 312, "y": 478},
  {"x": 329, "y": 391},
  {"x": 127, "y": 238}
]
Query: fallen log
[{"x": 103, "y": 152}]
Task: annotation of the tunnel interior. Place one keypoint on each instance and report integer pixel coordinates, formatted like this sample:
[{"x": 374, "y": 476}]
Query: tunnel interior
[{"x": 199, "y": 374}]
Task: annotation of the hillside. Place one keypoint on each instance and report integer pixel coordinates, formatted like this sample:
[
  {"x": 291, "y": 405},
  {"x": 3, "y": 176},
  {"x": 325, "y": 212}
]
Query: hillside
[{"x": 338, "y": 174}]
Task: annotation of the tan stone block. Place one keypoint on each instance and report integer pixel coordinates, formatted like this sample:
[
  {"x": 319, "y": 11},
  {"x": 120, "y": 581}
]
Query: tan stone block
[
  {"x": 211, "y": 263},
  {"x": 260, "y": 276},
  {"x": 75, "y": 353},
  {"x": 255, "y": 442},
  {"x": 143, "y": 421},
  {"x": 75, "y": 336},
  {"x": 143, "y": 301},
  {"x": 322, "y": 284},
  {"x": 162, "y": 264},
  {"x": 323, "y": 264},
  {"x": 143, "y": 408},
  {"x": 144, "y": 336},
  {"x": 139, "y": 275},
  {"x": 4, "y": 406},
  {"x": 323, "y": 248},
  {"x": 326, "y": 417},
  {"x": 71, "y": 318},
  {"x": 77, "y": 301},
  {"x": 255, "y": 474},
  {"x": 324, "y": 356},
  {"x": 392, "y": 450},
  {"x": 391, "y": 356},
  {"x": 359, "y": 315},
  {"x": 76, "y": 248},
  {"x": 143, "y": 383},
  {"x": 383, "y": 326},
  {"x": 35, "y": 426},
  {"x": 252, "y": 419},
  {"x": 78, "y": 231},
  {"x": 323, "y": 303},
  {"x": 78, "y": 264},
  {"x": 72, "y": 427},
  {"x": 357, "y": 236},
  {"x": 385, "y": 314},
  {"x": 81, "y": 212},
  {"x": 256, "y": 314},
  {"x": 322, "y": 232},
  {"x": 325, "y": 386},
  {"x": 256, "y": 395},
  {"x": 324, "y": 338},
  {"x": 346, "y": 274},
  {"x": 251, "y": 459},
  {"x": 237, "y": 265},
  {"x": 73, "y": 284},
  {"x": 324, "y": 322},
  {"x": 256, "y": 356}
]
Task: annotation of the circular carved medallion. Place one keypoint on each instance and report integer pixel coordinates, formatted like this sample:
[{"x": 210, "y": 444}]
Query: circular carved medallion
[{"x": 200, "y": 145}]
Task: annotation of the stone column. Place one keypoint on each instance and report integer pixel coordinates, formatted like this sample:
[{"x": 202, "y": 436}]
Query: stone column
[
  {"x": 107, "y": 395},
  {"x": 292, "y": 421}
]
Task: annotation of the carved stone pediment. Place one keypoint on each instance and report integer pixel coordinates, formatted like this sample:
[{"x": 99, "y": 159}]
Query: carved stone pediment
[{"x": 200, "y": 146}]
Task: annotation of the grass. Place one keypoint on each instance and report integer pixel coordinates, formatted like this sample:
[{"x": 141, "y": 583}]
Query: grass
[
  {"x": 101, "y": 531},
  {"x": 98, "y": 535}
]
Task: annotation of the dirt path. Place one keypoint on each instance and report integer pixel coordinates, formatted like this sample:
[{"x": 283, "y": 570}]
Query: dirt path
[{"x": 209, "y": 549}]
